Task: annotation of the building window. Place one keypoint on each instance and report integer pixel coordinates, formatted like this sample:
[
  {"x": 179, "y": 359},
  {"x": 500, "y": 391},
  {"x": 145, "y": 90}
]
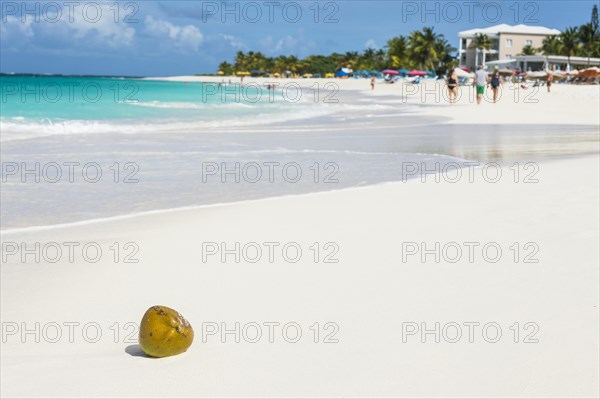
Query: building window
[
  {"x": 508, "y": 42},
  {"x": 529, "y": 42}
]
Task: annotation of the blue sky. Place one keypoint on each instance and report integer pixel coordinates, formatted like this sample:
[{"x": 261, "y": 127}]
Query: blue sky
[{"x": 160, "y": 38}]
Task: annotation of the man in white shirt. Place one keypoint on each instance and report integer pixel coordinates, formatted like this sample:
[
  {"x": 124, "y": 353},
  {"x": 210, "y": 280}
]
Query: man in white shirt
[{"x": 481, "y": 80}]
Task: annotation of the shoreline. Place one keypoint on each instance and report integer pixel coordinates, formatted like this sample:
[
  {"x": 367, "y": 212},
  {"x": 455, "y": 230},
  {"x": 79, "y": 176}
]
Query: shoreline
[
  {"x": 502, "y": 147},
  {"x": 535, "y": 100},
  {"x": 24, "y": 231},
  {"x": 381, "y": 125}
]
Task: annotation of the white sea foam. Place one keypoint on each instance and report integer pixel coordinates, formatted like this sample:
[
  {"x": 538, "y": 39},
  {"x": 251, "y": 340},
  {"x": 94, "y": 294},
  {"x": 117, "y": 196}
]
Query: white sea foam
[{"x": 19, "y": 128}]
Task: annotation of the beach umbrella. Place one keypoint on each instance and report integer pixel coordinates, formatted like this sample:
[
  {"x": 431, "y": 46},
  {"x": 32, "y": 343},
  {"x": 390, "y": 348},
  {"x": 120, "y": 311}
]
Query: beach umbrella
[
  {"x": 506, "y": 72},
  {"x": 536, "y": 75},
  {"x": 461, "y": 73},
  {"x": 465, "y": 69},
  {"x": 390, "y": 72},
  {"x": 329, "y": 75},
  {"x": 560, "y": 75},
  {"x": 589, "y": 72},
  {"x": 308, "y": 75},
  {"x": 417, "y": 73},
  {"x": 220, "y": 73},
  {"x": 243, "y": 74},
  {"x": 276, "y": 75}
]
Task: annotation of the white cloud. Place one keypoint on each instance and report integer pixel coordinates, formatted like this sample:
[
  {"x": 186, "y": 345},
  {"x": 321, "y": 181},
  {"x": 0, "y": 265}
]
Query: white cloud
[
  {"x": 13, "y": 26},
  {"x": 233, "y": 41},
  {"x": 371, "y": 44},
  {"x": 286, "y": 43},
  {"x": 183, "y": 37},
  {"x": 99, "y": 31},
  {"x": 105, "y": 31}
]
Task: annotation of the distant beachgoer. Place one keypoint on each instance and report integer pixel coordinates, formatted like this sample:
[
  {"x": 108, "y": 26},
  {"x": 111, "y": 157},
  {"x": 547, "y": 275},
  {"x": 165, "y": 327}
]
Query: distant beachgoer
[
  {"x": 495, "y": 82},
  {"x": 230, "y": 81},
  {"x": 481, "y": 80},
  {"x": 452, "y": 83},
  {"x": 242, "y": 79},
  {"x": 549, "y": 80},
  {"x": 373, "y": 82}
]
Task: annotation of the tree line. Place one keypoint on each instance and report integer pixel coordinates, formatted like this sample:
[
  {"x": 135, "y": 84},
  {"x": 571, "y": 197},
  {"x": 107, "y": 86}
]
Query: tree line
[{"x": 424, "y": 50}]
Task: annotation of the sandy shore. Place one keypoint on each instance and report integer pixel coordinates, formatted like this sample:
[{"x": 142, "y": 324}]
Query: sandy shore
[
  {"x": 370, "y": 294},
  {"x": 516, "y": 319},
  {"x": 567, "y": 104}
]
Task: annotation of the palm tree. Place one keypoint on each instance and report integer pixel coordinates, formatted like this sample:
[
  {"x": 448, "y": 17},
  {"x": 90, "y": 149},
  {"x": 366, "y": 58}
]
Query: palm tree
[
  {"x": 397, "y": 52},
  {"x": 280, "y": 64},
  {"x": 423, "y": 46},
  {"x": 240, "y": 61},
  {"x": 588, "y": 38},
  {"x": 447, "y": 60},
  {"x": 570, "y": 43},
  {"x": 350, "y": 59},
  {"x": 528, "y": 50},
  {"x": 482, "y": 43},
  {"x": 594, "y": 22},
  {"x": 226, "y": 68},
  {"x": 367, "y": 60},
  {"x": 551, "y": 45},
  {"x": 293, "y": 64}
]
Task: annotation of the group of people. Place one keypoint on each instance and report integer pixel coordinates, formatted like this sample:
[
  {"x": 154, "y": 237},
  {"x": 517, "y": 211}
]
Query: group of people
[{"x": 482, "y": 80}]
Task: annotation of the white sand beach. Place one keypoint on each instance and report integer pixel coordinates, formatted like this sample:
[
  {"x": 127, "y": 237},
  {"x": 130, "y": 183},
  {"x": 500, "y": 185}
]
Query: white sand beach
[
  {"x": 515, "y": 106},
  {"x": 532, "y": 309}
]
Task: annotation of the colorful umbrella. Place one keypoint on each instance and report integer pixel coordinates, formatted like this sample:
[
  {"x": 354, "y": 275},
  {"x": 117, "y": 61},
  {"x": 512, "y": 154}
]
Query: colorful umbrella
[
  {"x": 417, "y": 73},
  {"x": 390, "y": 72},
  {"x": 589, "y": 72}
]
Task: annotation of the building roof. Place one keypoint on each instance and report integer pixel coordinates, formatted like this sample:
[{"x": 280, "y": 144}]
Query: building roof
[
  {"x": 553, "y": 59},
  {"x": 504, "y": 28}
]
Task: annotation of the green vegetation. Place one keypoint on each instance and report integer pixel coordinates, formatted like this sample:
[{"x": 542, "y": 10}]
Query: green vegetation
[
  {"x": 423, "y": 49},
  {"x": 582, "y": 41}
]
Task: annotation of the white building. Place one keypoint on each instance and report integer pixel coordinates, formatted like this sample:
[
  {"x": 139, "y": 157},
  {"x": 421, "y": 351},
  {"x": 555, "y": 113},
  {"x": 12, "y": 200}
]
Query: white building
[{"x": 507, "y": 42}]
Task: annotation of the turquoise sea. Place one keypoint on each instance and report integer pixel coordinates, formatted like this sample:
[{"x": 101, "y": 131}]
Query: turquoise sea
[{"x": 34, "y": 106}]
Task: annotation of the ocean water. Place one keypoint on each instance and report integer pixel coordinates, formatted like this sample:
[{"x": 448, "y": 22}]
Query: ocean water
[{"x": 36, "y": 106}]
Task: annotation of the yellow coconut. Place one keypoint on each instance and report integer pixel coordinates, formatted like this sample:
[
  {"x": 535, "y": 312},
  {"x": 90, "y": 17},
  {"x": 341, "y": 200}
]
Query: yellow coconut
[{"x": 165, "y": 332}]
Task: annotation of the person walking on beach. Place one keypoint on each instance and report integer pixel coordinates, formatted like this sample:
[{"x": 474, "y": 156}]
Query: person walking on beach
[
  {"x": 373, "y": 82},
  {"x": 495, "y": 82},
  {"x": 549, "y": 79},
  {"x": 452, "y": 83},
  {"x": 481, "y": 80}
]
